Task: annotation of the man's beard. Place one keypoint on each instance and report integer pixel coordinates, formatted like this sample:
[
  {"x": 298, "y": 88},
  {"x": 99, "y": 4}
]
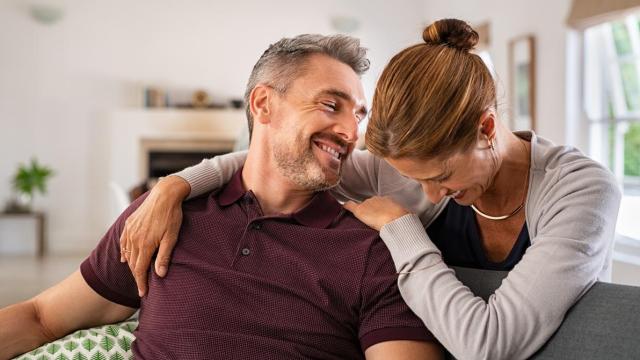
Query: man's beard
[{"x": 297, "y": 162}]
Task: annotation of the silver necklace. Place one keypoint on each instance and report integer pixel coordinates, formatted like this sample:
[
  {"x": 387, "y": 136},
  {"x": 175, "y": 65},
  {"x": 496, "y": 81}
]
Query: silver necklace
[
  {"x": 524, "y": 198},
  {"x": 496, "y": 217}
]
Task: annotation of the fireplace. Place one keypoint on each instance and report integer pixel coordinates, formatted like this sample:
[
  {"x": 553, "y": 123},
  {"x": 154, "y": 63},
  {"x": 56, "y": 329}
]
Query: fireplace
[
  {"x": 163, "y": 163},
  {"x": 161, "y": 157}
]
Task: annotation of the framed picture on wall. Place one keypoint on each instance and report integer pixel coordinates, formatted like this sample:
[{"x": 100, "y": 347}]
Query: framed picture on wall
[{"x": 522, "y": 65}]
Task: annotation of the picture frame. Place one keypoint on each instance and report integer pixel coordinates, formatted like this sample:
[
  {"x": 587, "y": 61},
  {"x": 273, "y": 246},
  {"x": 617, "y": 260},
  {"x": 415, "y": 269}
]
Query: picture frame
[{"x": 522, "y": 89}]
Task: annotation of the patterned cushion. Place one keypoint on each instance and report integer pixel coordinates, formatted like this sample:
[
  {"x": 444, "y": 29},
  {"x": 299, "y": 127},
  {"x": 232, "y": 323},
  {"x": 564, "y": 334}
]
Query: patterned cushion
[{"x": 109, "y": 342}]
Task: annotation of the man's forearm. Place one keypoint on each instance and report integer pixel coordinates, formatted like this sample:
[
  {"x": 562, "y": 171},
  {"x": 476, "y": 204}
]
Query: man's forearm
[{"x": 21, "y": 330}]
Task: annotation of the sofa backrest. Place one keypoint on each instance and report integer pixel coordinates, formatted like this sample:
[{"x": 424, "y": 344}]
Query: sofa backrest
[{"x": 603, "y": 324}]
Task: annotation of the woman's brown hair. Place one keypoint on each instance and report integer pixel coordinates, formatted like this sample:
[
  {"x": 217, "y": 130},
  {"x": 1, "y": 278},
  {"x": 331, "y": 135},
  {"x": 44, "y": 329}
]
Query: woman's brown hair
[{"x": 430, "y": 97}]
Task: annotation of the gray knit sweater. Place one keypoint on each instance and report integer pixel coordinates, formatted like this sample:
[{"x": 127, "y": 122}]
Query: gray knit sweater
[{"x": 571, "y": 210}]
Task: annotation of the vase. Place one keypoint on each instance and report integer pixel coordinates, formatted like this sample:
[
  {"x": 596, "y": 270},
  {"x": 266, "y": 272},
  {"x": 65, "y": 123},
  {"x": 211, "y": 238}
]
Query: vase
[{"x": 21, "y": 203}]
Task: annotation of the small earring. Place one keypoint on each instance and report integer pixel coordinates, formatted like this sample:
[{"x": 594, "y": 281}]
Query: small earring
[{"x": 491, "y": 144}]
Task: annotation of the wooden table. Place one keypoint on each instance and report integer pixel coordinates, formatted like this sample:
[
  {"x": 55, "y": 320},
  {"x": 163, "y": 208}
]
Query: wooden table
[{"x": 39, "y": 221}]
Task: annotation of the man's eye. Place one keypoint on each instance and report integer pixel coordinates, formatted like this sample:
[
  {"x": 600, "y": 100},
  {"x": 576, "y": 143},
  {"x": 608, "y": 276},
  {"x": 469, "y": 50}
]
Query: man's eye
[{"x": 330, "y": 106}]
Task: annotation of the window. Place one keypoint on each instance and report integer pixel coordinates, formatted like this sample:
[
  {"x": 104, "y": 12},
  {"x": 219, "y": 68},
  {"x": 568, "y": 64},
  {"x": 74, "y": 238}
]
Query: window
[{"x": 612, "y": 105}]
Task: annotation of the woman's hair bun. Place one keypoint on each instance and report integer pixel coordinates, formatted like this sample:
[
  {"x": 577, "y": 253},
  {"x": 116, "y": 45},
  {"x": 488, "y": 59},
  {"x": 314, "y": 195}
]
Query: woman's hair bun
[{"x": 451, "y": 32}]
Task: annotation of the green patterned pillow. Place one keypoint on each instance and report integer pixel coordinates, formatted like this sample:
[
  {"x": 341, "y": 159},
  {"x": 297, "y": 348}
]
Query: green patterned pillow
[{"x": 109, "y": 342}]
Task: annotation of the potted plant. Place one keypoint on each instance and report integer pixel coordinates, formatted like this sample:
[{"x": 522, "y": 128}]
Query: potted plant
[{"x": 28, "y": 180}]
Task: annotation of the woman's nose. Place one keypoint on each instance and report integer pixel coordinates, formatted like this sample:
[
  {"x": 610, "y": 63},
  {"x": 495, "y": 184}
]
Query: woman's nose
[{"x": 434, "y": 191}]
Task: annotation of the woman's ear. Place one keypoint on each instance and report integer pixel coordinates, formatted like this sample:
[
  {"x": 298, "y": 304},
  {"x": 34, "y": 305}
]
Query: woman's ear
[
  {"x": 260, "y": 103},
  {"x": 487, "y": 128}
]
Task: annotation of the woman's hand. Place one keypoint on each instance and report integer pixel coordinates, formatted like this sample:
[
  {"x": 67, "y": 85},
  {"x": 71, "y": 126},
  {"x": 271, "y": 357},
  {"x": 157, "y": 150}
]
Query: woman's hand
[
  {"x": 155, "y": 224},
  {"x": 376, "y": 211}
]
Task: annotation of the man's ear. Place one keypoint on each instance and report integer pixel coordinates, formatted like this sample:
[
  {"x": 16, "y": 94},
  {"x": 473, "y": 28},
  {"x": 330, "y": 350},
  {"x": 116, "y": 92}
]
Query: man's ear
[
  {"x": 260, "y": 103},
  {"x": 487, "y": 128}
]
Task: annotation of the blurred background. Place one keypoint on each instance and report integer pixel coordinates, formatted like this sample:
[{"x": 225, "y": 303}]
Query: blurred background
[{"x": 99, "y": 98}]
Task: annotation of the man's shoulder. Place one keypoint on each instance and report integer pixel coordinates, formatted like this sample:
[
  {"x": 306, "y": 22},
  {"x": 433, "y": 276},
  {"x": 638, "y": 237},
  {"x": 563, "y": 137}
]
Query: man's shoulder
[
  {"x": 347, "y": 221},
  {"x": 201, "y": 202}
]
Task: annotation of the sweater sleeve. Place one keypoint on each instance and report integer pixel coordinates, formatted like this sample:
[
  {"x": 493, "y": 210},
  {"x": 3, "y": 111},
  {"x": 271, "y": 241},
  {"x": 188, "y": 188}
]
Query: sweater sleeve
[
  {"x": 574, "y": 221},
  {"x": 212, "y": 173}
]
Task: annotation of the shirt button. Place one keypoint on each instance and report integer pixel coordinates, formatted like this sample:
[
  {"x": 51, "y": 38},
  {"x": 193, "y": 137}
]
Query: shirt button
[
  {"x": 256, "y": 226},
  {"x": 246, "y": 252}
]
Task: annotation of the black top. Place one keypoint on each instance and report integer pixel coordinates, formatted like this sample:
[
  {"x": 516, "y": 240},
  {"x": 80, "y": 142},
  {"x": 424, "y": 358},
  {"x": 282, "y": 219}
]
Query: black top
[{"x": 455, "y": 232}]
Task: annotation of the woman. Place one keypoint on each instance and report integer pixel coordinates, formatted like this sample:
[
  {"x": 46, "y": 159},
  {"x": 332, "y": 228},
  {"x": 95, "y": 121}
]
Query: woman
[{"x": 494, "y": 200}]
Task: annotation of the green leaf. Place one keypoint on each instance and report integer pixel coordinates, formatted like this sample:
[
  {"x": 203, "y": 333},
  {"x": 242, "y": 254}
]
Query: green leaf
[
  {"x": 112, "y": 330},
  {"x": 62, "y": 357},
  {"x": 70, "y": 345},
  {"x": 88, "y": 344},
  {"x": 98, "y": 356},
  {"x": 36, "y": 351},
  {"x": 53, "y": 348},
  {"x": 116, "y": 356},
  {"x": 130, "y": 326},
  {"x": 107, "y": 342},
  {"x": 43, "y": 357},
  {"x": 79, "y": 356},
  {"x": 30, "y": 178},
  {"x": 125, "y": 343}
]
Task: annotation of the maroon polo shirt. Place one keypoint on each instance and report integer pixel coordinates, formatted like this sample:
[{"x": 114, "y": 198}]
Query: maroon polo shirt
[{"x": 314, "y": 284}]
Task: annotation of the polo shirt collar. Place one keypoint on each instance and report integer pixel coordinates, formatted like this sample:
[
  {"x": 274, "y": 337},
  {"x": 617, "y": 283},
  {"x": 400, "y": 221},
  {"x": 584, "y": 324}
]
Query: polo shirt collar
[{"x": 320, "y": 212}]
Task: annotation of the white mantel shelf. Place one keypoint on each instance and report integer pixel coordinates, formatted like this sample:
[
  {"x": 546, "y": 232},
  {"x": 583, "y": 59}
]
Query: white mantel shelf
[{"x": 227, "y": 123}]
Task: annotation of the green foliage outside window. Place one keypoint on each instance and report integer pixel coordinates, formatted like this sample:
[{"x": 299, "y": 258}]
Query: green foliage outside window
[
  {"x": 632, "y": 150},
  {"x": 621, "y": 38},
  {"x": 629, "y": 72}
]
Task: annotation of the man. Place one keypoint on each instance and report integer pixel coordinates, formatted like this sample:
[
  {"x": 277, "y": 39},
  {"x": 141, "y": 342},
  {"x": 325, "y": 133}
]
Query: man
[{"x": 270, "y": 266}]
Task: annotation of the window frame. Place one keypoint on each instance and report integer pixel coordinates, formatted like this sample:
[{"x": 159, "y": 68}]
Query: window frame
[{"x": 608, "y": 118}]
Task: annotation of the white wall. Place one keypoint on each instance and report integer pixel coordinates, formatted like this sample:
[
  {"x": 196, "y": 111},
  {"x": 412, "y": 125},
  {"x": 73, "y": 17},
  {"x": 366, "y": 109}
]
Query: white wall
[
  {"x": 59, "y": 82},
  {"x": 545, "y": 19}
]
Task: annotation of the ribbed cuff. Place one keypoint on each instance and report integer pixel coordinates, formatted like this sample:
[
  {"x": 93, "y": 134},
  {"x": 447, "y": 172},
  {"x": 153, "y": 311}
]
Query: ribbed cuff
[
  {"x": 406, "y": 238},
  {"x": 201, "y": 179}
]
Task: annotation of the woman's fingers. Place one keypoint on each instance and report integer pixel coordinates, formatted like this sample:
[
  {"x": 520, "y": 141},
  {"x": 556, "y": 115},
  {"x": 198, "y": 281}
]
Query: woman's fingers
[
  {"x": 376, "y": 211},
  {"x": 350, "y": 205},
  {"x": 141, "y": 269},
  {"x": 132, "y": 258},
  {"x": 164, "y": 254},
  {"x": 124, "y": 238}
]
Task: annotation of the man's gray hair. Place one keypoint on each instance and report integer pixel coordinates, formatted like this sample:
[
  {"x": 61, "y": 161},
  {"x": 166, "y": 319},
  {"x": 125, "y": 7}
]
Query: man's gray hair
[{"x": 284, "y": 61}]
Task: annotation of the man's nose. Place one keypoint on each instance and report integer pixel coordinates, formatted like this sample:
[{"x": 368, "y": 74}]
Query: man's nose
[
  {"x": 433, "y": 191},
  {"x": 347, "y": 127}
]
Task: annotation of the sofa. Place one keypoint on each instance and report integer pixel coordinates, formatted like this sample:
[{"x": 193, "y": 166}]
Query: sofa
[{"x": 604, "y": 324}]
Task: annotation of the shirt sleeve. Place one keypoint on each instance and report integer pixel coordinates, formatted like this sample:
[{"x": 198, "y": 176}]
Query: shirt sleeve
[
  {"x": 574, "y": 221},
  {"x": 104, "y": 272},
  {"x": 384, "y": 316}
]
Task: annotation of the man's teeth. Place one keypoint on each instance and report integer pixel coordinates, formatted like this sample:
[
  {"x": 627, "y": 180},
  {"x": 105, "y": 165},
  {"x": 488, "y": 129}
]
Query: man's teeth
[{"x": 330, "y": 151}]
